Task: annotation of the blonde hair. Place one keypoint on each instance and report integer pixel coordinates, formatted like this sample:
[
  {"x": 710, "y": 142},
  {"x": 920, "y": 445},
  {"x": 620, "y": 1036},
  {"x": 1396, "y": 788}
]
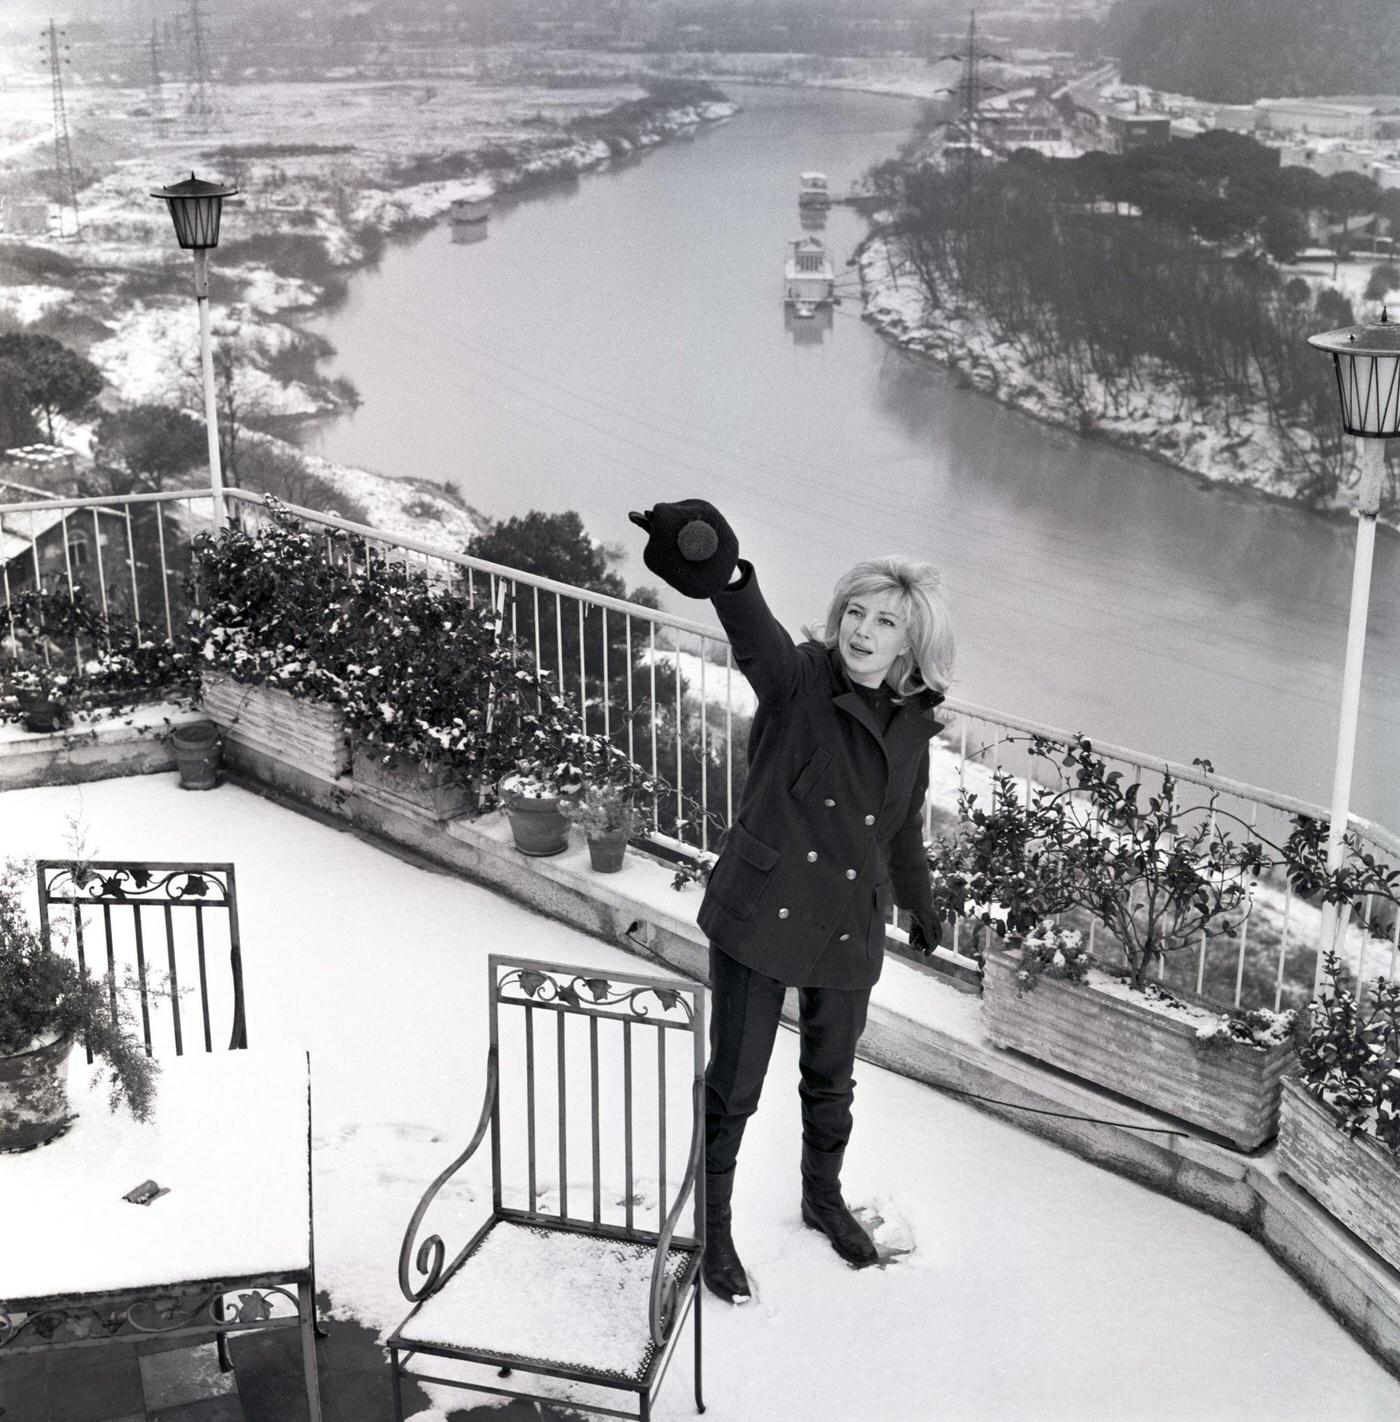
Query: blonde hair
[{"x": 928, "y": 625}]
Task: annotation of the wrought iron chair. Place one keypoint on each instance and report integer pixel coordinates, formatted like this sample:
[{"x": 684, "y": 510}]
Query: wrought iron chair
[
  {"x": 157, "y": 931},
  {"x": 188, "y": 910},
  {"x": 582, "y": 1271}
]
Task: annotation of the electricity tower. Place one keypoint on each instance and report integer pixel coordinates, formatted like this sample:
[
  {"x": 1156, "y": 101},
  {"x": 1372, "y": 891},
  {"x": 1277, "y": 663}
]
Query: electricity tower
[
  {"x": 198, "y": 103},
  {"x": 972, "y": 88},
  {"x": 157, "y": 89},
  {"x": 65, "y": 178}
]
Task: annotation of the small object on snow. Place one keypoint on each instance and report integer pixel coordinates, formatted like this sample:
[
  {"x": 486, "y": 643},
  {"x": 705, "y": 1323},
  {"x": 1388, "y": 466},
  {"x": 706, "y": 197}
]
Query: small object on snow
[{"x": 145, "y": 1192}]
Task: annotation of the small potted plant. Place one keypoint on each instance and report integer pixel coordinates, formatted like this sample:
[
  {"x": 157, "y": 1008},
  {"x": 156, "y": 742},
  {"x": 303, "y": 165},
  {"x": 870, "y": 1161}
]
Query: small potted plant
[
  {"x": 45, "y": 1004},
  {"x": 531, "y": 796},
  {"x": 609, "y": 815},
  {"x": 198, "y": 749}
]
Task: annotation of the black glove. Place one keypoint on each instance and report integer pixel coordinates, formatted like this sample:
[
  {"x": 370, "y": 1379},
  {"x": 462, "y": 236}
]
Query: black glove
[
  {"x": 924, "y": 934},
  {"x": 690, "y": 546}
]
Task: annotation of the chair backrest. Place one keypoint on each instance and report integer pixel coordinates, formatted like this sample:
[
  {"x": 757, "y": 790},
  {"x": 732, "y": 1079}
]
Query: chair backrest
[
  {"x": 598, "y": 1117},
  {"x": 155, "y": 930}
]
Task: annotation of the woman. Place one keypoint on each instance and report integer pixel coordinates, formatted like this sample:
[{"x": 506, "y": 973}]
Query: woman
[{"x": 828, "y": 831}]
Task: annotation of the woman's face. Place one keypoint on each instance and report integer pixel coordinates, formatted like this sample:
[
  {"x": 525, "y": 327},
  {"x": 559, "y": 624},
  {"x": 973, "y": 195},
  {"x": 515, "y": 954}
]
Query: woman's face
[{"x": 872, "y": 635}]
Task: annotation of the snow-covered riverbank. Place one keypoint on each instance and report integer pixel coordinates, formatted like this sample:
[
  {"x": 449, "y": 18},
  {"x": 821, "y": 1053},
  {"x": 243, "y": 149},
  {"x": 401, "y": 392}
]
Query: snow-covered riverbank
[
  {"x": 371, "y": 160},
  {"x": 1246, "y": 451}
]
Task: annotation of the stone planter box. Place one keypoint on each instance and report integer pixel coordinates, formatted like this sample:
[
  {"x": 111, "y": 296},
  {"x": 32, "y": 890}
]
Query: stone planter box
[
  {"x": 399, "y": 780},
  {"x": 1231, "y": 1090},
  {"x": 1354, "y": 1178},
  {"x": 306, "y": 734}
]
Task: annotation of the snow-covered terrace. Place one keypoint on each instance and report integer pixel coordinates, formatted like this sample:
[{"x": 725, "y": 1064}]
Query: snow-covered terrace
[{"x": 1036, "y": 1285}]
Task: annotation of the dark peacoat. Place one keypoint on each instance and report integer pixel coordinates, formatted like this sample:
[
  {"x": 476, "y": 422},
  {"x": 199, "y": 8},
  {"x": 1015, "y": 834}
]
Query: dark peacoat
[{"x": 829, "y": 827}]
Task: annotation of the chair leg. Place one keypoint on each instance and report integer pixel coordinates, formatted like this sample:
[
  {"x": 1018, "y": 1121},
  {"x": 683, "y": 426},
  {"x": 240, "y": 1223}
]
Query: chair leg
[
  {"x": 221, "y": 1339},
  {"x": 696, "y": 1310},
  {"x": 394, "y": 1366},
  {"x": 306, "y": 1307}
]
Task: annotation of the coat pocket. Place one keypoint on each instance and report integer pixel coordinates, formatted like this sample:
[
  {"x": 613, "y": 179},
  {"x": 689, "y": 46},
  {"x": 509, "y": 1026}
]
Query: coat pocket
[
  {"x": 812, "y": 772},
  {"x": 742, "y": 872}
]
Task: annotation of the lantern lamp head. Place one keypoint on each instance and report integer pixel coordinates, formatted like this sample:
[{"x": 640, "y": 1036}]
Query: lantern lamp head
[
  {"x": 195, "y": 206},
  {"x": 1367, "y": 362}
]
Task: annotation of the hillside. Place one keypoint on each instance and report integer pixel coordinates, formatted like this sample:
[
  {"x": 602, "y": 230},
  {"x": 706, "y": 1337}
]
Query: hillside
[{"x": 1251, "y": 49}]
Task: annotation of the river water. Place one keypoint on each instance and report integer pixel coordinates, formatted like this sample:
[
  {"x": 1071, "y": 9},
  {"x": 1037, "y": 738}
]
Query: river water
[{"x": 621, "y": 340}]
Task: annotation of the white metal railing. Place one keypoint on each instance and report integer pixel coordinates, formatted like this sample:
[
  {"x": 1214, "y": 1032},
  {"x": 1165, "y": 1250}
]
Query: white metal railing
[{"x": 140, "y": 555}]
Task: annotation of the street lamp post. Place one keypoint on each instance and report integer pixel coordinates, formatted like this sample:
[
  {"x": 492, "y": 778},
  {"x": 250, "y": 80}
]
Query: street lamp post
[
  {"x": 1367, "y": 363},
  {"x": 195, "y": 207}
]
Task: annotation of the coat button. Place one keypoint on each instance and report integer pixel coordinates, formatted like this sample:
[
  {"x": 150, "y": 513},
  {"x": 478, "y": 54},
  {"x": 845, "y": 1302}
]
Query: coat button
[
  {"x": 850, "y": 873},
  {"x": 870, "y": 819},
  {"x": 782, "y": 913},
  {"x": 843, "y": 938},
  {"x": 811, "y": 856},
  {"x": 830, "y": 804}
]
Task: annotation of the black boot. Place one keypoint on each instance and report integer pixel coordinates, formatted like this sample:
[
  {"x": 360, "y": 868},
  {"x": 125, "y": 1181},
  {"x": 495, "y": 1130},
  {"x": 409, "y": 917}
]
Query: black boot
[
  {"x": 720, "y": 1267},
  {"x": 823, "y": 1208}
]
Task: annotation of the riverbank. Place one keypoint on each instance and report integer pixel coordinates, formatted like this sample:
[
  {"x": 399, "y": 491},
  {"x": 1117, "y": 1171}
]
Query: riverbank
[
  {"x": 1246, "y": 452},
  {"x": 372, "y": 160}
]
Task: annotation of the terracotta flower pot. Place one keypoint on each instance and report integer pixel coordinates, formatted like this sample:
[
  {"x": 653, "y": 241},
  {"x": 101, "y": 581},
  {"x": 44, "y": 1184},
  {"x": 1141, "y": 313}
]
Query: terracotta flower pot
[
  {"x": 538, "y": 825},
  {"x": 198, "y": 750},
  {"x": 42, "y": 714},
  {"x": 34, "y": 1095},
  {"x": 606, "y": 850}
]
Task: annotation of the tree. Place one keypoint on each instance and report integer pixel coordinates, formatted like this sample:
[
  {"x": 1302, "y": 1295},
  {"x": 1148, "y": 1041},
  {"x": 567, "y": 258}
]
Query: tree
[
  {"x": 1348, "y": 195},
  {"x": 17, "y": 424},
  {"x": 1384, "y": 279},
  {"x": 1332, "y": 307},
  {"x": 147, "y": 447},
  {"x": 270, "y": 466},
  {"x": 53, "y": 379},
  {"x": 1284, "y": 233}
]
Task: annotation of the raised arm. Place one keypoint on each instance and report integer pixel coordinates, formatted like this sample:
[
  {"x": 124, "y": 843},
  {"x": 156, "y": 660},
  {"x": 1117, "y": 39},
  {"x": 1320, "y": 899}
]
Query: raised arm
[
  {"x": 763, "y": 651},
  {"x": 691, "y": 545}
]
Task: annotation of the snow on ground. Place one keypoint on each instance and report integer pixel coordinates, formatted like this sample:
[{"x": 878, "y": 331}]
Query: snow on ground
[{"x": 1038, "y": 1286}]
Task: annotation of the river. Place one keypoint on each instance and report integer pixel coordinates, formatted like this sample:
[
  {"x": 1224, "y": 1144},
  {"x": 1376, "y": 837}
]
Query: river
[{"x": 621, "y": 340}]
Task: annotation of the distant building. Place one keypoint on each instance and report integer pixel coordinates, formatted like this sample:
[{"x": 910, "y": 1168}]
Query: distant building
[
  {"x": 1317, "y": 116},
  {"x": 27, "y": 217},
  {"x": 1237, "y": 118},
  {"x": 1128, "y": 131},
  {"x": 43, "y": 545}
]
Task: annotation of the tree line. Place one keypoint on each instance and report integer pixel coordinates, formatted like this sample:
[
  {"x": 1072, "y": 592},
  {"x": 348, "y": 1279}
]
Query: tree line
[{"x": 1104, "y": 308}]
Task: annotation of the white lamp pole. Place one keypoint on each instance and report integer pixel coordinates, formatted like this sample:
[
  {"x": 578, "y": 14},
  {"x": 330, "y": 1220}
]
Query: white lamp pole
[
  {"x": 195, "y": 207},
  {"x": 1367, "y": 363}
]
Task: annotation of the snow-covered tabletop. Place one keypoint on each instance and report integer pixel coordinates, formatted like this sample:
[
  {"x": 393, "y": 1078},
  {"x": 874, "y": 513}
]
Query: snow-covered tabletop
[{"x": 228, "y": 1138}]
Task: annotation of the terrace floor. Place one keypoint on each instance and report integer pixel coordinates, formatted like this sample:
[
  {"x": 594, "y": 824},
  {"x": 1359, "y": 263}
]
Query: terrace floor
[{"x": 1037, "y": 1286}]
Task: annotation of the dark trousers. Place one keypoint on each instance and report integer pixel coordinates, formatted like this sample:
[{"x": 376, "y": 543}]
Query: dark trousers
[{"x": 745, "y": 1007}]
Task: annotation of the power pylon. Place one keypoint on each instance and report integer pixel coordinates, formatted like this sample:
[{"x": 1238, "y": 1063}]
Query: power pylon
[
  {"x": 198, "y": 103},
  {"x": 972, "y": 88},
  {"x": 64, "y": 174},
  {"x": 157, "y": 90}
]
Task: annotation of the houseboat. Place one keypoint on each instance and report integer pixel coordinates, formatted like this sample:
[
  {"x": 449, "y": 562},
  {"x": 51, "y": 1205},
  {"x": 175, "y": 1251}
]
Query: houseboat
[
  {"x": 809, "y": 280},
  {"x": 473, "y": 206},
  {"x": 812, "y": 190}
]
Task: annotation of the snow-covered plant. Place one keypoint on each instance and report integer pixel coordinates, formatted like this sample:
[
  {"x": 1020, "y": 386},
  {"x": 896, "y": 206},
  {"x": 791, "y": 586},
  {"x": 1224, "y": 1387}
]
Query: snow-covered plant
[
  {"x": 62, "y": 649},
  {"x": 1351, "y": 1055},
  {"x": 1051, "y": 952},
  {"x": 414, "y": 667},
  {"x": 1255, "y": 1027},
  {"x": 44, "y": 995},
  {"x": 1157, "y": 875},
  {"x": 608, "y": 808}
]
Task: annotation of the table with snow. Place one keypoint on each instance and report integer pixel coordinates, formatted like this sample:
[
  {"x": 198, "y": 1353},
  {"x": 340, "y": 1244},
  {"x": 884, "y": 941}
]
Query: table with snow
[
  {"x": 583, "y": 1270},
  {"x": 228, "y": 1248}
]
